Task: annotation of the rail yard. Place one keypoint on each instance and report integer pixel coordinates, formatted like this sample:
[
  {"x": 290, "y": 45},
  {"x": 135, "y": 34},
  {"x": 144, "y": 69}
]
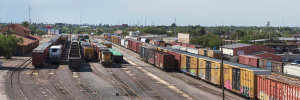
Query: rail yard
[{"x": 111, "y": 67}]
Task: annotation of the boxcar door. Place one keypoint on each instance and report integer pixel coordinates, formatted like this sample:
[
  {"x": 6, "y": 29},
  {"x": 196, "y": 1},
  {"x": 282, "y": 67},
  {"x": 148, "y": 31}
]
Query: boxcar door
[
  {"x": 236, "y": 79},
  {"x": 205, "y": 52},
  {"x": 188, "y": 63},
  {"x": 208, "y": 71}
]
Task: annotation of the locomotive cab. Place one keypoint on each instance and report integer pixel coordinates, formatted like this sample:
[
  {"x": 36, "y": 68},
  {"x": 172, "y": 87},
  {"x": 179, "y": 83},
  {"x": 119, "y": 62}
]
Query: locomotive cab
[{"x": 55, "y": 53}]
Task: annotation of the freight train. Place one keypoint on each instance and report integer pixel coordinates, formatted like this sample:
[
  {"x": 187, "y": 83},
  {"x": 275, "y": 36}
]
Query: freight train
[
  {"x": 248, "y": 81},
  {"x": 42, "y": 53}
]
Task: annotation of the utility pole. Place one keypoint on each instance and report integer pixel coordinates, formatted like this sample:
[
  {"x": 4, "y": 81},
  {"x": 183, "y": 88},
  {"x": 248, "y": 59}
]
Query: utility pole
[
  {"x": 29, "y": 13},
  {"x": 222, "y": 67}
]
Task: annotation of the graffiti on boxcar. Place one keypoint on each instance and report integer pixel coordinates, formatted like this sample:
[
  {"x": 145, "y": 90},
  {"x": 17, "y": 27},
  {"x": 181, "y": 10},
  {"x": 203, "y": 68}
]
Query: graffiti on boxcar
[
  {"x": 290, "y": 92},
  {"x": 201, "y": 75},
  {"x": 193, "y": 72},
  {"x": 244, "y": 90},
  {"x": 228, "y": 84},
  {"x": 263, "y": 96}
]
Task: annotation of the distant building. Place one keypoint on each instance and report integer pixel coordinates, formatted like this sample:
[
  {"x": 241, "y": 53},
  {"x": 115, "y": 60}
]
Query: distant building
[
  {"x": 59, "y": 24},
  {"x": 125, "y": 25},
  {"x": 30, "y": 41},
  {"x": 134, "y": 33},
  {"x": 268, "y": 24},
  {"x": 244, "y": 49}
]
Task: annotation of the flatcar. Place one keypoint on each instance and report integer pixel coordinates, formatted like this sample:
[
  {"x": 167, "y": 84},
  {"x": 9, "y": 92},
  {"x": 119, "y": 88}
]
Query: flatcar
[{"x": 74, "y": 56}]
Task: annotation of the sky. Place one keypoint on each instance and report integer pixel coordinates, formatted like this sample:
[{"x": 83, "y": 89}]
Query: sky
[{"x": 154, "y": 12}]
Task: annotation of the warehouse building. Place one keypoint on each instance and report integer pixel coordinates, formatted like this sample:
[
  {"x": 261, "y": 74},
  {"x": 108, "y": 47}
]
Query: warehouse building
[
  {"x": 29, "y": 41},
  {"x": 244, "y": 49}
]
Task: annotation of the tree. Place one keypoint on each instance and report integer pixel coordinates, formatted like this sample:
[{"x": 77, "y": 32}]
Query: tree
[
  {"x": 25, "y": 24},
  {"x": 246, "y": 39},
  {"x": 98, "y": 31},
  {"x": 8, "y": 45},
  {"x": 173, "y": 25}
]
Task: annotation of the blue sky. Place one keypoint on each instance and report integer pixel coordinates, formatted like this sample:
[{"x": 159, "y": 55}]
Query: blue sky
[{"x": 159, "y": 12}]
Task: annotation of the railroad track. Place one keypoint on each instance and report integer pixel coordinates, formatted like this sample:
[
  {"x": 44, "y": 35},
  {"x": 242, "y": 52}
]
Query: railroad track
[
  {"x": 200, "y": 86},
  {"x": 15, "y": 78},
  {"x": 121, "y": 85},
  {"x": 85, "y": 88},
  {"x": 34, "y": 75},
  {"x": 58, "y": 85}
]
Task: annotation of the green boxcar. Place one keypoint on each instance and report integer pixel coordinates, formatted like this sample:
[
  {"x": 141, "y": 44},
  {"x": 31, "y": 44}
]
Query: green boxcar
[{"x": 117, "y": 57}]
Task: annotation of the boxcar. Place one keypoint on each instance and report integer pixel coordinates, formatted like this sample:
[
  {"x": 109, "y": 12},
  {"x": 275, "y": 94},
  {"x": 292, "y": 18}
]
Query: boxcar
[
  {"x": 177, "y": 56},
  {"x": 249, "y": 60},
  {"x": 133, "y": 45},
  {"x": 274, "y": 66},
  {"x": 105, "y": 58},
  {"x": 166, "y": 61},
  {"x": 138, "y": 46},
  {"x": 108, "y": 44},
  {"x": 278, "y": 87},
  {"x": 40, "y": 55},
  {"x": 151, "y": 56},
  {"x": 117, "y": 57},
  {"x": 189, "y": 63},
  {"x": 88, "y": 51},
  {"x": 144, "y": 52}
]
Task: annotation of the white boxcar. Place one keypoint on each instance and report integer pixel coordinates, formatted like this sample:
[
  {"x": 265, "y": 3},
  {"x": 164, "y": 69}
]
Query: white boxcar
[
  {"x": 292, "y": 69},
  {"x": 192, "y": 50}
]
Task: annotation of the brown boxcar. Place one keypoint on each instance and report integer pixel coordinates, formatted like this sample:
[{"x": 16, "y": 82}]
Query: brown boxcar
[
  {"x": 184, "y": 44},
  {"x": 274, "y": 66},
  {"x": 176, "y": 54},
  {"x": 157, "y": 58},
  {"x": 177, "y": 43},
  {"x": 133, "y": 46},
  {"x": 138, "y": 46},
  {"x": 278, "y": 87},
  {"x": 40, "y": 54},
  {"x": 249, "y": 60},
  {"x": 166, "y": 61},
  {"x": 129, "y": 44}
]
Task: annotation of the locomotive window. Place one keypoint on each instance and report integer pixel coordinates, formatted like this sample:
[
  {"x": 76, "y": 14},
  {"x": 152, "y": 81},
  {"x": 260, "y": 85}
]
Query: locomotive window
[{"x": 54, "y": 50}]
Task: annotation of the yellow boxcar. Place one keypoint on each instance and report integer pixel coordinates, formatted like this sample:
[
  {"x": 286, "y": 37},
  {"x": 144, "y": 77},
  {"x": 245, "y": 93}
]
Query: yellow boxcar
[
  {"x": 209, "y": 69},
  {"x": 201, "y": 68},
  {"x": 88, "y": 53},
  {"x": 165, "y": 50},
  {"x": 108, "y": 44},
  {"x": 242, "y": 78},
  {"x": 105, "y": 57},
  {"x": 192, "y": 66},
  {"x": 160, "y": 48},
  {"x": 183, "y": 63},
  {"x": 214, "y": 54},
  {"x": 201, "y": 51}
]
